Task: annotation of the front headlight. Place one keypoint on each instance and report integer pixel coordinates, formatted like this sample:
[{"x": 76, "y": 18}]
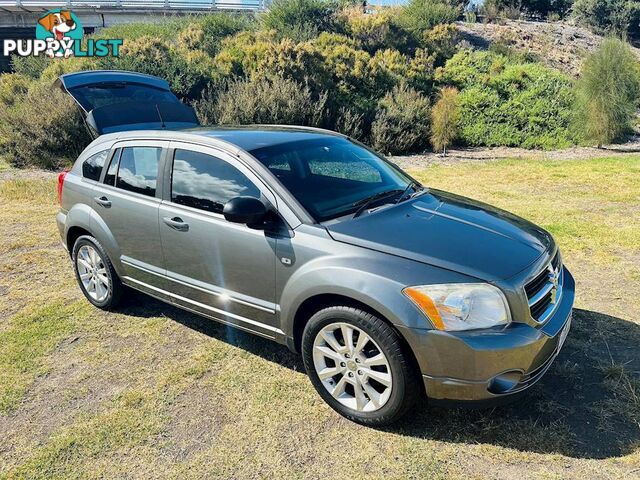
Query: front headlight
[{"x": 461, "y": 306}]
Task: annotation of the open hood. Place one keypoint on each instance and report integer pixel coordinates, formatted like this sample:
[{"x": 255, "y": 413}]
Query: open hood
[{"x": 116, "y": 101}]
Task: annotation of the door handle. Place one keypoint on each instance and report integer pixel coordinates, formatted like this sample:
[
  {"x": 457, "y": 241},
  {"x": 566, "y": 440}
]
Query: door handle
[
  {"x": 176, "y": 223},
  {"x": 104, "y": 201}
]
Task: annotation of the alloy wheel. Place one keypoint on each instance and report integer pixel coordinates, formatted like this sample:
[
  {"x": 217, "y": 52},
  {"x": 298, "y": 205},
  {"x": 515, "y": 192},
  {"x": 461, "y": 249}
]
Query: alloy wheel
[
  {"x": 93, "y": 273},
  {"x": 352, "y": 367}
]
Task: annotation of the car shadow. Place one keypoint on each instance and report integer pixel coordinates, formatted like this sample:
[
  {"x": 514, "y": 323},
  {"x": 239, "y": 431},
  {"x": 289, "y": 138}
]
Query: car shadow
[{"x": 586, "y": 406}]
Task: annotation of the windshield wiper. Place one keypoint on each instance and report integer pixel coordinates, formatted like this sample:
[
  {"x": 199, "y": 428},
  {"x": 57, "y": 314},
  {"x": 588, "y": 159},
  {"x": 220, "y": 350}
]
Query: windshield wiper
[
  {"x": 413, "y": 184},
  {"x": 363, "y": 204}
]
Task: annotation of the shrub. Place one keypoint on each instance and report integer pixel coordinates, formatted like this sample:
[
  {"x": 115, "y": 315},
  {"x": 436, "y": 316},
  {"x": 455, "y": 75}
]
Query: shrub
[
  {"x": 36, "y": 135},
  {"x": 512, "y": 104},
  {"x": 31, "y": 67},
  {"x": 442, "y": 41},
  {"x": 164, "y": 30},
  {"x": 208, "y": 33},
  {"x": 402, "y": 122},
  {"x": 350, "y": 122},
  {"x": 153, "y": 56},
  {"x": 301, "y": 20},
  {"x": 469, "y": 67},
  {"x": 269, "y": 100},
  {"x": 419, "y": 16},
  {"x": 608, "y": 93},
  {"x": 13, "y": 88},
  {"x": 444, "y": 119},
  {"x": 612, "y": 17},
  {"x": 421, "y": 70},
  {"x": 379, "y": 31}
]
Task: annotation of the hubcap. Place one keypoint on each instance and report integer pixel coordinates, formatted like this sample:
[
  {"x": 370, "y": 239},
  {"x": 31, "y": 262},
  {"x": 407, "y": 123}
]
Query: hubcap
[
  {"x": 93, "y": 273},
  {"x": 352, "y": 367}
]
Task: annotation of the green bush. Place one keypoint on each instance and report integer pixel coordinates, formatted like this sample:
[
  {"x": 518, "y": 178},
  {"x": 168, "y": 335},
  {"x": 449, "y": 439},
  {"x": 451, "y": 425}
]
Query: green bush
[
  {"x": 402, "y": 123},
  {"x": 269, "y": 100},
  {"x": 512, "y": 104},
  {"x": 379, "y": 31},
  {"x": 419, "y": 16},
  {"x": 608, "y": 93},
  {"x": 35, "y": 135},
  {"x": 208, "y": 33},
  {"x": 31, "y": 67},
  {"x": 13, "y": 88},
  {"x": 153, "y": 56},
  {"x": 301, "y": 20},
  {"x": 609, "y": 17},
  {"x": 351, "y": 122},
  {"x": 164, "y": 30},
  {"x": 442, "y": 41}
]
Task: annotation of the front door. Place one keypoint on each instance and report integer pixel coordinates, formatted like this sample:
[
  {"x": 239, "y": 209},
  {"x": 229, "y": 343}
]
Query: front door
[
  {"x": 222, "y": 269},
  {"x": 127, "y": 203}
]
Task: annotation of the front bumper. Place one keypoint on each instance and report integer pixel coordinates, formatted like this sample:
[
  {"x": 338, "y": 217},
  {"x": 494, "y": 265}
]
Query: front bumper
[{"x": 489, "y": 366}]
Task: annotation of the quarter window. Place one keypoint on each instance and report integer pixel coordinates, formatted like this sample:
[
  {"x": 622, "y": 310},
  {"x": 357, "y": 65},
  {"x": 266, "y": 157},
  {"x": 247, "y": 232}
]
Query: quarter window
[
  {"x": 92, "y": 166},
  {"x": 206, "y": 182},
  {"x": 138, "y": 170}
]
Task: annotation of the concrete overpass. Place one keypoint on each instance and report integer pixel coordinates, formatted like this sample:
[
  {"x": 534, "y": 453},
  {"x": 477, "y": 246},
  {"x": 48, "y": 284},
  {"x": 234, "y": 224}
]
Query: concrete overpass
[
  {"x": 103, "y": 13},
  {"x": 18, "y": 18}
]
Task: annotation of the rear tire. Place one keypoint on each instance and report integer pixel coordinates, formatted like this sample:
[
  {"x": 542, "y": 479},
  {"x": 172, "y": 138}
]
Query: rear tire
[
  {"x": 95, "y": 274},
  {"x": 357, "y": 364}
]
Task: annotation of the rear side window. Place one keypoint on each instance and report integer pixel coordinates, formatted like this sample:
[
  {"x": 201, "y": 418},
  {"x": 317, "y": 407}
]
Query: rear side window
[
  {"x": 92, "y": 166},
  {"x": 205, "y": 182},
  {"x": 138, "y": 170}
]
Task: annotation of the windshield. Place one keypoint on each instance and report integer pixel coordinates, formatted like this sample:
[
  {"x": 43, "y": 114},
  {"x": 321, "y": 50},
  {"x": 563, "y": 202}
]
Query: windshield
[{"x": 331, "y": 176}]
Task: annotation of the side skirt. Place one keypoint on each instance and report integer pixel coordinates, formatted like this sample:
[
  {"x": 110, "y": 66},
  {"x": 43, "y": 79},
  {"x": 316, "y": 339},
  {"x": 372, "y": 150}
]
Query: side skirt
[{"x": 207, "y": 311}]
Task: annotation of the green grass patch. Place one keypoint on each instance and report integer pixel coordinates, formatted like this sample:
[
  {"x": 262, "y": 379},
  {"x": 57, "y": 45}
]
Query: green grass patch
[
  {"x": 30, "y": 337},
  {"x": 130, "y": 420},
  {"x": 20, "y": 190}
]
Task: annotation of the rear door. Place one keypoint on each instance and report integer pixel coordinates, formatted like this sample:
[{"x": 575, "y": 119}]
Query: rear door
[
  {"x": 126, "y": 202},
  {"x": 222, "y": 269},
  {"x": 116, "y": 101}
]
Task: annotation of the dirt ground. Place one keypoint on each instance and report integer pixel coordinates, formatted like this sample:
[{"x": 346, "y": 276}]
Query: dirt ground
[{"x": 560, "y": 45}]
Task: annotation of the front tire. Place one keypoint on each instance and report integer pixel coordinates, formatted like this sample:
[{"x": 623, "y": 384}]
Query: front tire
[
  {"x": 357, "y": 364},
  {"x": 95, "y": 274}
]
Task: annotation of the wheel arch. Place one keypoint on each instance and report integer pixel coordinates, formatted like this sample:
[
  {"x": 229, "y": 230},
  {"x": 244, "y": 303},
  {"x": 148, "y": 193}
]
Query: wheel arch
[
  {"x": 73, "y": 234},
  {"x": 314, "y": 304}
]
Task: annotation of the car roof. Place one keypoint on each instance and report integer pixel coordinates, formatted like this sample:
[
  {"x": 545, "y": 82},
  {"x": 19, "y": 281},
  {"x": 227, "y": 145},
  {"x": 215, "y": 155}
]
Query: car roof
[{"x": 247, "y": 138}]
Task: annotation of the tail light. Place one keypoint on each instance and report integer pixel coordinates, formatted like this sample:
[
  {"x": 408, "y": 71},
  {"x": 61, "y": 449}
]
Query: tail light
[{"x": 61, "y": 184}]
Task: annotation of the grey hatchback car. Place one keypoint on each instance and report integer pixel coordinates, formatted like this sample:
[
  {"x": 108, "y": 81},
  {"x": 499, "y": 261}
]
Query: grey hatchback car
[{"x": 393, "y": 292}]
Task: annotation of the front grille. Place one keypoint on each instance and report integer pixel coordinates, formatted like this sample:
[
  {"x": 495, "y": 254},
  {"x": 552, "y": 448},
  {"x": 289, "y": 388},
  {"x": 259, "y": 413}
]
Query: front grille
[{"x": 544, "y": 290}]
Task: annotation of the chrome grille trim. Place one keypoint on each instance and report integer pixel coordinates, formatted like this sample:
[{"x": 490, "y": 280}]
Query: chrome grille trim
[{"x": 541, "y": 297}]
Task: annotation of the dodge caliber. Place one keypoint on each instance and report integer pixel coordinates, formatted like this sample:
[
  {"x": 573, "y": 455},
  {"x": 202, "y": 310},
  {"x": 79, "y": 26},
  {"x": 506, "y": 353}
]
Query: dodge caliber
[{"x": 393, "y": 292}]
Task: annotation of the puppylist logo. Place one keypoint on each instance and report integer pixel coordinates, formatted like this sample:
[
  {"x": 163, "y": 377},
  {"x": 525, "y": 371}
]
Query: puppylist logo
[{"x": 59, "y": 34}]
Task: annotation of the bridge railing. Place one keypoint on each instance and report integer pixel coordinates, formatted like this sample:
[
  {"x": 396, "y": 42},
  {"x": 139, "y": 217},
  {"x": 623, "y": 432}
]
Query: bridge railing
[{"x": 16, "y": 5}]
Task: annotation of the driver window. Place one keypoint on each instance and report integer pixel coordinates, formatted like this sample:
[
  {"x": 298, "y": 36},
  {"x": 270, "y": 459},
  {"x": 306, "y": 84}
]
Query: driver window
[{"x": 206, "y": 182}]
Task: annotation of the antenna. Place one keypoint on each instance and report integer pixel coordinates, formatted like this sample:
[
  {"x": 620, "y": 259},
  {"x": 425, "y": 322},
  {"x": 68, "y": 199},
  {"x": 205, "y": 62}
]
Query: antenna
[{"x": 162, "y": 125}]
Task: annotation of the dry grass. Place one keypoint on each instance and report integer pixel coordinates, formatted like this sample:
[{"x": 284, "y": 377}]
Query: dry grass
[{"x": 154, "y": 392}]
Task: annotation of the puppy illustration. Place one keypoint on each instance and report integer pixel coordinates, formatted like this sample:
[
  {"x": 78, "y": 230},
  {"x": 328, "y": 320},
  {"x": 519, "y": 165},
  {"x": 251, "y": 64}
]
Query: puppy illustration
[{"x": 59, "y": 24}]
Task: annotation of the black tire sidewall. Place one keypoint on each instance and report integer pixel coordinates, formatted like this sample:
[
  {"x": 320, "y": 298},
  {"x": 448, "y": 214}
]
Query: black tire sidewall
[
  {"x": 386, "y": 338},
  {"x": 114, "y": 292}
]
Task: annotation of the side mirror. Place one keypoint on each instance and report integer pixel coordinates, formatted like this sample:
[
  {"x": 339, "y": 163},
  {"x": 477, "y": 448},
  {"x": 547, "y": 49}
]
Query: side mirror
[{"x": 247, "y": 210}]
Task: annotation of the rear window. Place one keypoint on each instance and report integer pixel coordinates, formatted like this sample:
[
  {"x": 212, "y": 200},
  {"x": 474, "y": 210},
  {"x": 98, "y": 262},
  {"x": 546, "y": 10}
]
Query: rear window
[
  {"x": 92, "y": 166},
  {"x": 96, "y": 96},
  {"x": 138, "y": 170}
]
